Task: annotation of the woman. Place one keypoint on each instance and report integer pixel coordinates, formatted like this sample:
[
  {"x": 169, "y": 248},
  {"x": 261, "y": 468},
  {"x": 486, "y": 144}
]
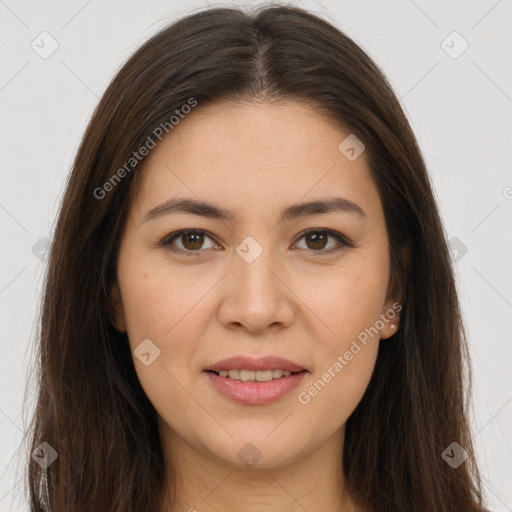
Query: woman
[{"x": 250, "y": 303}]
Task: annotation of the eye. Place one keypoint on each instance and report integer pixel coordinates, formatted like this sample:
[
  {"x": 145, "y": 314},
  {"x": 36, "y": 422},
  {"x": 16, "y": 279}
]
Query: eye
[
  {"x": 316, "y": 240},
  {"x": 191, "y": 240}
]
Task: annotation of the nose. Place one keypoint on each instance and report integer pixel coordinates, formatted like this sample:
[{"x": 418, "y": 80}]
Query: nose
[{"x": 256, "y": 295}]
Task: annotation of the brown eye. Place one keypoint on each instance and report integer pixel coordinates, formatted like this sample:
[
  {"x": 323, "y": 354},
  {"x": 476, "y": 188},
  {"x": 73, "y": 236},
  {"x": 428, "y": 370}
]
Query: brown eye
[
  {"x": 317, "y": 240},
  {"x": 191, "y": 240}
]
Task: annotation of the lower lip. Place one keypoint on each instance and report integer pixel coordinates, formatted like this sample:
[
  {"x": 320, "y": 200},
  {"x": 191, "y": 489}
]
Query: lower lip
[{"x": 255, "y": 393}]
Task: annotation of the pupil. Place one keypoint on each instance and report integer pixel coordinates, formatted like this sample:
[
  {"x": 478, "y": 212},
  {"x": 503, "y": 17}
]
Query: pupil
[
  {"x": 195, "y": 245},
  {"x": 316, "y": 236}
]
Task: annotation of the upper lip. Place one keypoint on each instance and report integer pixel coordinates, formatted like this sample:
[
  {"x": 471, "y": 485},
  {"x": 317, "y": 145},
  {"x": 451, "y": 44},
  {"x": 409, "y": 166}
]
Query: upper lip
[{"x": 247, "y": 363}]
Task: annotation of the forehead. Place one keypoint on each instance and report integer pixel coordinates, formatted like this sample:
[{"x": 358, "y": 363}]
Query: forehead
[{"x": 251, "y": 155}]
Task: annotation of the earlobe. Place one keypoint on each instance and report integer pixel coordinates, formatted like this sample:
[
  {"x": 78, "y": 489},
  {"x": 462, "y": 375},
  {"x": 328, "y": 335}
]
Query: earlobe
[
  {"x": 390, "y": 318},
  {"x": 118, "y": 317},
  {"x": 390, "y": 314},
  {"x": 393, "y": 305},
  {"x": 390, "y": 326}
]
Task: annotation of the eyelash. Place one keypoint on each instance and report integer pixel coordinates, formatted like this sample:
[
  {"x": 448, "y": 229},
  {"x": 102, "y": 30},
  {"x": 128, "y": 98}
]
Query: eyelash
[{"x": 167, "y": 241}]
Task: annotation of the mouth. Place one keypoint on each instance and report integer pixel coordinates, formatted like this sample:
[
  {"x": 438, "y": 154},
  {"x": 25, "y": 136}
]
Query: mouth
[
  {"x": 255, "y": 375},
  {"x": 254, "y": 381},
  {"x": 242, "y": 363}
]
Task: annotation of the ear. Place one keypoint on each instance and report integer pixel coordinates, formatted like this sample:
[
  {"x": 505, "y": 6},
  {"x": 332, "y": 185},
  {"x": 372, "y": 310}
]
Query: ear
[
  {"x": 118, "y": 319},
  {"x": 390, "y": 317},
  {"x": 390, "y": 313}
]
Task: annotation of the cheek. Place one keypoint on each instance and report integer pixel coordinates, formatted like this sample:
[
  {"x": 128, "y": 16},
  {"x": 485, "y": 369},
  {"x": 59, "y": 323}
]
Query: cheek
[
  {"x": 169, "y": 309},
  {"x": 345, "y": 303},
  {"x": 159, "y": 310},
  {"x": 159, "y": 301},
  {"x": 349, "y": 306},
  {"x": 334, "y": 393},
  {"x": 344, "y": 364}
]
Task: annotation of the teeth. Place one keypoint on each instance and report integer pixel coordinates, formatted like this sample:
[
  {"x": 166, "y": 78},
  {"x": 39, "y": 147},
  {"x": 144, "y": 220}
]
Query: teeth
[
  {"x": 246, "y": 375},
  {"x": 264, "y": 375},
  {"x": 251, "y": 375}
]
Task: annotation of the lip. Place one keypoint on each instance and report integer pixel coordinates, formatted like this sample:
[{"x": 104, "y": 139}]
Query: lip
[
  {"x": 263, "y": 363},
  {"x": 254, "y": 393}
]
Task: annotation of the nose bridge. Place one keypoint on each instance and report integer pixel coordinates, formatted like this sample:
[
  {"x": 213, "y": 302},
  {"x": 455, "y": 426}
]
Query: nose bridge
[
  {"x": 252, "y": 269},
  {"x": 257, "y": 297}
]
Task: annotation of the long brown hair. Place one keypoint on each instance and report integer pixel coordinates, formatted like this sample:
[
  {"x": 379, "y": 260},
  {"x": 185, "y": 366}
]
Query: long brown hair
[{"x": 90, "y": 406}]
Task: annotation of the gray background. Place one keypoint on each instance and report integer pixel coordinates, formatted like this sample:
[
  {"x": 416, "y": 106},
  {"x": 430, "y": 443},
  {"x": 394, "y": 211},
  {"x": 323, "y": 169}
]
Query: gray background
[{"x": 459, "y": 105}]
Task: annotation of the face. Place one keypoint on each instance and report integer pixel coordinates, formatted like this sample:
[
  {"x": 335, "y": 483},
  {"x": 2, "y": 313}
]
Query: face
[{"x": 254, "y": 278}]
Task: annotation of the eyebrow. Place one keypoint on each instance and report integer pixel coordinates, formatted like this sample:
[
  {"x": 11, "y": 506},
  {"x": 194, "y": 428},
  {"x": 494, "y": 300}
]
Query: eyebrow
[{"x": 204, "y": 209}]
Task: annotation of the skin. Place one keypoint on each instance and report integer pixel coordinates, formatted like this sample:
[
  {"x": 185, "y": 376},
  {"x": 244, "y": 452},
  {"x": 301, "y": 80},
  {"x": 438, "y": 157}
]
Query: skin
[{"x": 293, "y": 301}]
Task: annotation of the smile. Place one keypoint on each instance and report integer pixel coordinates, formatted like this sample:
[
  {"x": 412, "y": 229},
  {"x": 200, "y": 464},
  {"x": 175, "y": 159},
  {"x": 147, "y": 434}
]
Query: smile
[
  {"x": 246, "y": 388},
  {"x": 252, "y": 375}
]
